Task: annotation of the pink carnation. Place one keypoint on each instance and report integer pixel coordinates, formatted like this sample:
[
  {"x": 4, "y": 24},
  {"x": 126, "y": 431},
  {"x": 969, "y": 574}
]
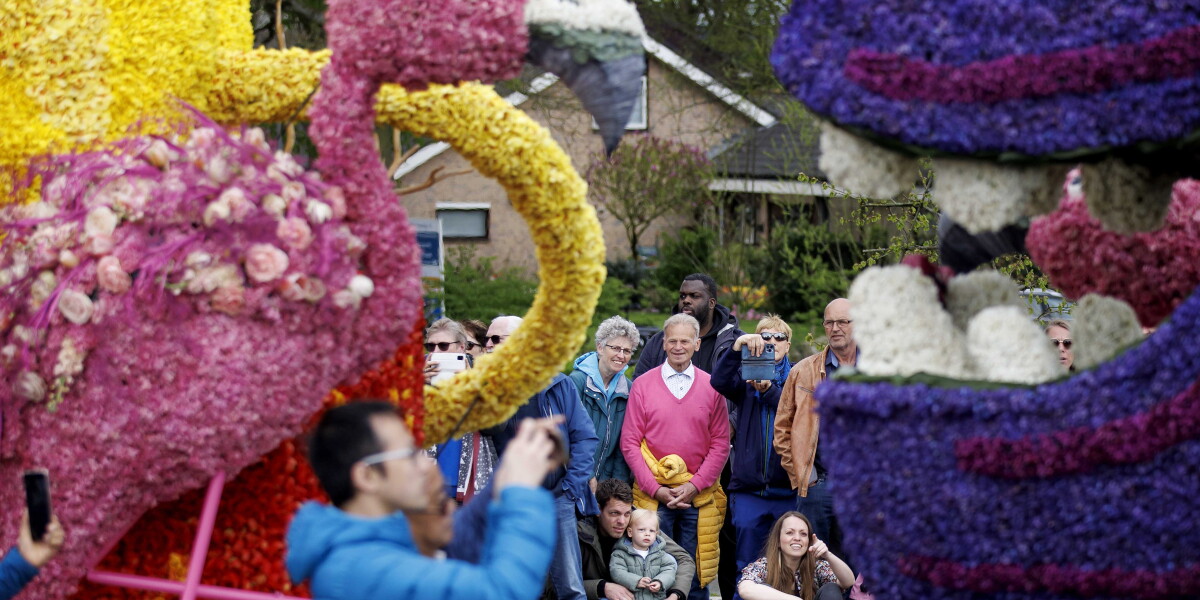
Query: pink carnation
[
  {"x": 229, "y": 299},
  {"x": 111, "y": 277},
  {"x": 294, "y": 232},
  {"x": 75, "y": 306},
  {"x": 265, "y": 262}
]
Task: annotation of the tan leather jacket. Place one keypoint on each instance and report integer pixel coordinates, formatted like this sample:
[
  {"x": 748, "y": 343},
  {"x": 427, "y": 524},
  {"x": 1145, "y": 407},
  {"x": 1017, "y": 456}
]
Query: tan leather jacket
[{"x": 797, "y": 423}]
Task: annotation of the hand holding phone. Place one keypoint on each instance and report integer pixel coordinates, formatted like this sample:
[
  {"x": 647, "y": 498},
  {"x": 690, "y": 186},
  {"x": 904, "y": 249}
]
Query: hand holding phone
[{"x": 41, "y": 535}]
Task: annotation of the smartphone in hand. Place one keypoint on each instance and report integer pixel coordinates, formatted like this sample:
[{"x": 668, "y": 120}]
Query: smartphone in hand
[
  {"x": 448, "y": 364},
  {"x": 758, "y": 367},
  {"x": 37, "y": 500}
]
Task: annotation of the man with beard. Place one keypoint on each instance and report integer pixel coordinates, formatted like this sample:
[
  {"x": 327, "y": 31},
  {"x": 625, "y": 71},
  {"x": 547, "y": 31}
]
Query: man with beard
[
  {"x": 718, "y": 327},
  {"x": 797, "y": 424},
  {"x": 598, "y": 535}
]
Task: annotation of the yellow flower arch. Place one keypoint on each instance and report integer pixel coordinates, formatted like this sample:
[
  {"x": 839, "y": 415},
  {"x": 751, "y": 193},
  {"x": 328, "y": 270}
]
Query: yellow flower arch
[{"x": 79, "y": 72}]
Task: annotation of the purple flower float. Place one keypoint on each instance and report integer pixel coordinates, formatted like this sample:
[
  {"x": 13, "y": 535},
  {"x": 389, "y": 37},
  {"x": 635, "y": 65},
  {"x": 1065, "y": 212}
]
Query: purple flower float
[
  {"x": 1079, "y": 488},
  {"x": 1006, "y": 95}
]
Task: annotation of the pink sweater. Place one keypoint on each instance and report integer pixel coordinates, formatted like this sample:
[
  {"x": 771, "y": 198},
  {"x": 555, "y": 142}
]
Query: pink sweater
[{"x": 696, "y": 427}]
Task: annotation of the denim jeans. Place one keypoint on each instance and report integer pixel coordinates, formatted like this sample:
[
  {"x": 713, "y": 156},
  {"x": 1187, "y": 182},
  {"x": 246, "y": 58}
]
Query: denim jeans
[
  {"x": 566, "y": 569},
  {"x": 682, "y": 525},
  {"x": 818, "y": 507},
  {"x": 753, "y": 516}
]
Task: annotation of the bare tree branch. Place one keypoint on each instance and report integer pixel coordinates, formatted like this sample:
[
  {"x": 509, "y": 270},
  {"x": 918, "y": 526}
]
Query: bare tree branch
[
  {"x": 398, "y": 157},
  {"x": 434, "y": 178}
]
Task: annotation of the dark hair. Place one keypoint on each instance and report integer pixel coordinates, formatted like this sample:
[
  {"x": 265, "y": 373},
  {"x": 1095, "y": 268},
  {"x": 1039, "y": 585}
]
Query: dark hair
[
  {"x": 343, "y": 437},
  {"x": 708, "y": 282},
  {"x": 476, "y": 330},
  {"x": 613, "y": 488}
]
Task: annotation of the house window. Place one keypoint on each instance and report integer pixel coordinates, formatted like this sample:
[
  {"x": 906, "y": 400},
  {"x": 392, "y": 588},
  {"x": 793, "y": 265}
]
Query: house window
[
  {"x": 464, "y": 220},
  {"x": 637, "y": 118}
]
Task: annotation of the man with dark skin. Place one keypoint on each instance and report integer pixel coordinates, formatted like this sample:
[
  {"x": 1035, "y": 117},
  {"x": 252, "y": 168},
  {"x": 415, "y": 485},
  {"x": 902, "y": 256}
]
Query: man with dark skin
[
  {"x": 598, "y": 535},
  {"x": 718, "y": 326}
]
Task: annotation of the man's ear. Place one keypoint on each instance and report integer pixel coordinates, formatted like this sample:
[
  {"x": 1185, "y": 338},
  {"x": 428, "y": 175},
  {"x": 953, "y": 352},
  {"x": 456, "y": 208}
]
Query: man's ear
[{"x": 364, "y": 478}]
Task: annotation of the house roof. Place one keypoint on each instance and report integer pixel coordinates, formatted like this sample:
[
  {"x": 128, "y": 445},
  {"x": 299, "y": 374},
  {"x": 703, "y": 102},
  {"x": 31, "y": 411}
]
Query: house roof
[
  {"x": 778, "y": 151},
  {"x": 752, "y": 111}
]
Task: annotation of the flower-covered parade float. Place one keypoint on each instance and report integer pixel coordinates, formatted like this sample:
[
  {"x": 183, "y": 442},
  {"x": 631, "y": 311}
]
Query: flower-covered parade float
[
  {"x": 180, "y": 297},
  {"x": 962, "y": 464}
]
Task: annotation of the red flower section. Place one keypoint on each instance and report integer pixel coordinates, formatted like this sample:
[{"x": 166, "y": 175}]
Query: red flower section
[
  {"x": 1153, "y": 272},
  {"x": 247, "y": 548},
  {"x": 1134, "y": 439},
  {"x": 1057, "y": 579},
  {"x": 1076, "y": 71}
]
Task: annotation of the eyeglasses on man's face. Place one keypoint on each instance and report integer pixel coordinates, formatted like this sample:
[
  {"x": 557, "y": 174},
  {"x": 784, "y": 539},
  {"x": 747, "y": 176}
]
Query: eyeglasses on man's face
[
  {"x": 416, "y": 455},
  {"x": 778, "y": 337},
  {"x": 832, "y": 323},
  {"x": 496, "y": 339},
  {"x": 620, "y": 350},
  {"x": 1065, "y": 343}
]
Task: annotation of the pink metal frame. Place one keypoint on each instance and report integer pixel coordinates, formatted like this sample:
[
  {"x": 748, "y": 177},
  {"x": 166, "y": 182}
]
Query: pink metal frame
[{"x": 191, "y": 588}]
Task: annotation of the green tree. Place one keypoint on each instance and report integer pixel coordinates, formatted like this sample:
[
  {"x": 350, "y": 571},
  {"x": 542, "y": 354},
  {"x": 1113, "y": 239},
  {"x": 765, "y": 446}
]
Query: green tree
[{"x": 647, "y": 178}]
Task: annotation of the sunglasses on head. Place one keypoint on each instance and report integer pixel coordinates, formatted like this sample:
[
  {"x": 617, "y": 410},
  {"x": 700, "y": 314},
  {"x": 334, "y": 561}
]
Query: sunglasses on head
[
  {"x": 779, "y": 337},
  {"x": 441, "y": 346},
  {"x": 1065, "y": 343}
]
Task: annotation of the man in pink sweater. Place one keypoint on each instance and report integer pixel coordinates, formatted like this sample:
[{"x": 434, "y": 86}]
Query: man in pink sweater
[{"x": 675, "y": 410}]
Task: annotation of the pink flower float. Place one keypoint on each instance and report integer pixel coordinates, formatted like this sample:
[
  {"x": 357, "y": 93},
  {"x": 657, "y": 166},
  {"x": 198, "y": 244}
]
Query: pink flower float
[
  {"x": 177, "y": 305},
  {"x": 1153, "y": 272}
]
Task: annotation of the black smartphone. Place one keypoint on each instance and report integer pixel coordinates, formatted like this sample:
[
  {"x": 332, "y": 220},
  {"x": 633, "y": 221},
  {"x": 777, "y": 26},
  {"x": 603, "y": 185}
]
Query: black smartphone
[{"x": 37, "y": 500}]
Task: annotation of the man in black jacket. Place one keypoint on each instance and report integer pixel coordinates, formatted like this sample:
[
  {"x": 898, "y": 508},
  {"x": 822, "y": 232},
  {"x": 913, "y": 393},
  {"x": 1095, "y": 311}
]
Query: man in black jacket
[
  {"x": 718, "y": 327},
  {"x": 598, "y": 535}
]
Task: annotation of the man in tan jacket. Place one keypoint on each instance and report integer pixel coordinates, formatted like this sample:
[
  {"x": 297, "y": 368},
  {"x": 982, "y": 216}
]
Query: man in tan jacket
[{"x": 797, "y": 424}]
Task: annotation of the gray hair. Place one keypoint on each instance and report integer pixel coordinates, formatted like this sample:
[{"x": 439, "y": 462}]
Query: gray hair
[
  {"x": 449, "y": 325},
  {"x": 682, "y": 319},
  {"x": 1058, "y": 323},
  {"x": 615, "y": 327}
]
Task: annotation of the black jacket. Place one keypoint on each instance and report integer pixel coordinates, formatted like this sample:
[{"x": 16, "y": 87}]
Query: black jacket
[{"x": 724, "y": 324}]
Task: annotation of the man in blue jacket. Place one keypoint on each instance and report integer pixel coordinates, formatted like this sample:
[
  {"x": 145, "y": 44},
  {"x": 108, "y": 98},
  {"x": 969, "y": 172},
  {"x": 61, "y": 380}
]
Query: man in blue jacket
[
  {"x": 362, "y": 547},
  {"x": 572, "y": 495},
  {"x": 759, "y": 489}
]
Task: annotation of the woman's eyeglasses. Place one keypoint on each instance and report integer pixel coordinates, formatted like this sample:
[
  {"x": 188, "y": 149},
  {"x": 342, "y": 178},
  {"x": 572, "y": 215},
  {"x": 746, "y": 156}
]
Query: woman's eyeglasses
[
  {"x": 441, "y": 346},
  {"x": 620, "y": 350},
  {"x": 779, "y": 337},
  {"x": 1065, "y": 343}
]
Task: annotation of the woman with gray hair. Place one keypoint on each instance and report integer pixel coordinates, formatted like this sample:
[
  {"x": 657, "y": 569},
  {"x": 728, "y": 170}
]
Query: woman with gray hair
[{"x": 604, "y": 390}]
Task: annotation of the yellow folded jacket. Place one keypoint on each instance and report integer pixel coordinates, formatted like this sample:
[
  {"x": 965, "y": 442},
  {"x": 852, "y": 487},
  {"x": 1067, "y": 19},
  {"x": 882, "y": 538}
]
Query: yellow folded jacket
[{"x": 671, "y": 471}]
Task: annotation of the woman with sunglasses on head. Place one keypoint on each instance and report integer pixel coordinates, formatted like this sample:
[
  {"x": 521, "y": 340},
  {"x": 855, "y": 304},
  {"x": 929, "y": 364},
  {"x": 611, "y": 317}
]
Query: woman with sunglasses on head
[
  {"x": 759, "y": 488},
  {"x": 604, "y": 392},
  {"x": 1059, "y": 332},
  {"x": 795, "y": 564}
]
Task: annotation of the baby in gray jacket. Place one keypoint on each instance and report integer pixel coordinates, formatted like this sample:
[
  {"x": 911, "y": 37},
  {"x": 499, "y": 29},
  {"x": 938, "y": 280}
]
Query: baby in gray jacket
[{"x": 639, "y": 561}]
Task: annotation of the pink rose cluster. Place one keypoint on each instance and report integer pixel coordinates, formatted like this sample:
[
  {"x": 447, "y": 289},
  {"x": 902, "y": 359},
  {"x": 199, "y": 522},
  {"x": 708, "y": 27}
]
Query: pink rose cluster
[
  {"x": 176, "y": 306},
  {"x": 1153, "y": 272}
]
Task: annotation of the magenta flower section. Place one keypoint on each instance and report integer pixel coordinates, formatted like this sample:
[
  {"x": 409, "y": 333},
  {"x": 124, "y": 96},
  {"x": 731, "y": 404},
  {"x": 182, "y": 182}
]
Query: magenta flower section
[
  {"x": 1136, "y": 438},
  {"x": 1082, "y": 71},
  {"x": 1153, "y": 272}
]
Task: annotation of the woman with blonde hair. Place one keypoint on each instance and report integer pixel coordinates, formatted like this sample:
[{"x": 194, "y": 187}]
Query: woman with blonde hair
[
  {"x": 1059, "y": 332},
  {"x": 795, "y": 564}
]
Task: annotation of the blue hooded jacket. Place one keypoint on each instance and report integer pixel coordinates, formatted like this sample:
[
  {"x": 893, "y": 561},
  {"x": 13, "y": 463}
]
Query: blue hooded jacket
[
  {"x": 606, "y": 407},
  {"x": 348, "y": 557}
]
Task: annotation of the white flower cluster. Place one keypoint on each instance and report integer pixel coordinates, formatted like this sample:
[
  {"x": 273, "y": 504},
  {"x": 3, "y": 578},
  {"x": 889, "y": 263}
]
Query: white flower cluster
[
  {"x": 986, "y": 196},
  {"x": 1101, "y": 328},
  {"x": 970, "y": 293},
  {"x": 1006, "y": 345},
  {"x": 901, "y": 328},
  {"x": 596, "y": 15},
  {"x": 854, "y": 164},
  {"x": 1125, "y": 198}
]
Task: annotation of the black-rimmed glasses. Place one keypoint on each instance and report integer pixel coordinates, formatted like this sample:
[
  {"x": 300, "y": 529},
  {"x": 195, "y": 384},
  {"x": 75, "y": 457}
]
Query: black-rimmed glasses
[
  {"x": 831, "y": 323},
  {"x": 441, "y": 346}
]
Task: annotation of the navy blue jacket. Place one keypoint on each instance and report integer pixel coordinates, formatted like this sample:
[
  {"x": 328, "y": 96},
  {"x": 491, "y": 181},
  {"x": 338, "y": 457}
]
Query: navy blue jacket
[
  {"x": 754, "y": 464},
  {"x": 561, "y": 397},
  {"x": 15, "y": 572}
]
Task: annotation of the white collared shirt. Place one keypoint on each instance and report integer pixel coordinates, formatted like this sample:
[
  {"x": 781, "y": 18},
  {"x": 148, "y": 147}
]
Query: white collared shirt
[{"x": 679, "y": 382}]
